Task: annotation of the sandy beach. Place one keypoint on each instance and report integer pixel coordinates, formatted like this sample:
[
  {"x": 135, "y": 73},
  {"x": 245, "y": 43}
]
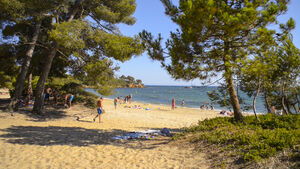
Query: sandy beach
[{"x": 60, "y": 141}]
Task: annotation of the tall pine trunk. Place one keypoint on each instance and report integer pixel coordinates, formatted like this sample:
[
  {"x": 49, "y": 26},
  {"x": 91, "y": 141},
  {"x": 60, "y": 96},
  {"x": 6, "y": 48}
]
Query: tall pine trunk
[
  {"x": 24, "y": 69},
  {"x": 230, "y": 86},
  {"x": 285, "y": 111},
  {"x": 29, "y": 90},
  {"x": 39, "y": 93},
  {"x": 267, "y": 102},
  {"x": 234, "y": 99},
  {"x": 254, "y": 101}
]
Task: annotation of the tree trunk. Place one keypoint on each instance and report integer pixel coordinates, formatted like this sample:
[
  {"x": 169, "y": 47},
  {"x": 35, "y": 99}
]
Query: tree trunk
[
  {"x": 283, "y": 106},
  {"x": 233, "y": 96},
  {"x": 39, "y": 93},
  {"x": 24, "y": 68},
  {"x": 254, "y": 101},
  {"x": 287, "y": 104},
  {"x": 267, "y": 103},
  {"x": 283, "y": 101},
  {"x": 30, "y": 83},
  {"x": 29, "y": 90}
]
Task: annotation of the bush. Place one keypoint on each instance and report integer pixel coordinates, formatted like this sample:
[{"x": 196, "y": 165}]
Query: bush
[{"x": 252, "y": 140}]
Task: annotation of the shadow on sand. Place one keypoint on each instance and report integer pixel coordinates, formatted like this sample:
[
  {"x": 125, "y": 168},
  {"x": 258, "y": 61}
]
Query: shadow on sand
[
  {"x": 75, "y": 136},
  {"x": 50, "y": 113}
]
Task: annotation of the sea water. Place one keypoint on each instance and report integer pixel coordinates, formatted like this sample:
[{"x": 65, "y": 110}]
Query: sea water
[{"x": 193, "y": 97}]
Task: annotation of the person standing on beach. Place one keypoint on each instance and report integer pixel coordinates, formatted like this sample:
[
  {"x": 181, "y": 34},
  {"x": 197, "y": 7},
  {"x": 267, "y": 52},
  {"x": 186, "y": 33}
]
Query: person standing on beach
[
  {"x": 173, "y": 103},
  {"x": 115, "y": 103},
  {"x": 182, "y": 103},
  {"x": 99, "y": 109}
]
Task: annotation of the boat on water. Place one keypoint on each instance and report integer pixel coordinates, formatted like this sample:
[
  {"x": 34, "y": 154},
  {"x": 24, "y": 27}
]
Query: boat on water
[{"x": 188, "y": 87}]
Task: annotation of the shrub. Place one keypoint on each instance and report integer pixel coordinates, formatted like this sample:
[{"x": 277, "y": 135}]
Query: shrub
[{"x": 253, "y": 140}]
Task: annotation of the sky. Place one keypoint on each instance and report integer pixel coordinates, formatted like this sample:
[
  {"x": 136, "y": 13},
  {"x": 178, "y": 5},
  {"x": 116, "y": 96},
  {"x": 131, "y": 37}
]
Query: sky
[{"x": 150, "y": 16}]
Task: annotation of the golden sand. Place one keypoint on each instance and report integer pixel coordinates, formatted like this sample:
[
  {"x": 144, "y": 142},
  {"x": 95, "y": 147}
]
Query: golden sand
[{"x": 60, "y": 141}]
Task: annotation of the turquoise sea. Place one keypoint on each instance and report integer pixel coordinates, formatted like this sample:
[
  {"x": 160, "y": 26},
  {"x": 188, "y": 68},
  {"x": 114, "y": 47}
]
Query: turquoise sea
[{"x": 193, "y": 97}]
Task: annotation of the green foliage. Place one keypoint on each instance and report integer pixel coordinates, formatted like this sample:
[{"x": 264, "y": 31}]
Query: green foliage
[
  {"x": 119, "y": 47},
  {"x": 8, "y": 69},
  {"x": 128, "y": 81},
  {"x": 252, "y": 140},
  {"x": 114, "y": 11},
  {"x": 11, "y": 8},
  {"x": 69, "y": 34},
  {"x": 6, "y": 81},
  {"x": 274, "y": 71},
  {"x": 60, "y": 82}
]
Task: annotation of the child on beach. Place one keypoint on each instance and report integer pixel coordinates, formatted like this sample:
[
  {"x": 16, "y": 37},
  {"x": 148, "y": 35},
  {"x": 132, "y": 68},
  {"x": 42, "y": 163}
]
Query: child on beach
[
  {"x": 182, "y": 103},
  {"x": 173, "y": 103},
  {"x": 99, "y": 109},
  {"x": 115, "y": 103}
]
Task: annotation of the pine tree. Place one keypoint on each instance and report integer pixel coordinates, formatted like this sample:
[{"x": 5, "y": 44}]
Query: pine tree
[
  {"x": 214, "y": 37},
  {"x": 72, "y": 31}
]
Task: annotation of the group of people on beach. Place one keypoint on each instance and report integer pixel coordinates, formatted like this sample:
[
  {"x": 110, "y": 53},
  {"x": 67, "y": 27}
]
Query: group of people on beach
[
  {"x": 55, "y": 94},
  {"x": 174, "y": 103},
  {"x": 208, "y": 106},
  {"x": 120, "y": 100}
]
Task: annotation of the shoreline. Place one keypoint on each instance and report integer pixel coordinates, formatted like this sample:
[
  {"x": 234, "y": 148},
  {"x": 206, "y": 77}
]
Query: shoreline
[
  {"x": 146, "y": 96},
  {"x": 184, "y": 107}
]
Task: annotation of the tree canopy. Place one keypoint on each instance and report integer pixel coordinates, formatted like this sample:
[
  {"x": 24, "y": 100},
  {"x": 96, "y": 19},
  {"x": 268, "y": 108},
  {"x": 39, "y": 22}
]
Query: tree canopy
[{"x": 78, "y": 36}]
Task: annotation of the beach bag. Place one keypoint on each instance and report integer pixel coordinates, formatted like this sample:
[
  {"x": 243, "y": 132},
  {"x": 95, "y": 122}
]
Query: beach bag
[{"x": 166, "y": 132}]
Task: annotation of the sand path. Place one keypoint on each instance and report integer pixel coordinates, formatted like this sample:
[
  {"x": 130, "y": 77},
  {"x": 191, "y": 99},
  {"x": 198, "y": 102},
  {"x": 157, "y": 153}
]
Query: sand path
[{"x": 60, "y": 141}]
